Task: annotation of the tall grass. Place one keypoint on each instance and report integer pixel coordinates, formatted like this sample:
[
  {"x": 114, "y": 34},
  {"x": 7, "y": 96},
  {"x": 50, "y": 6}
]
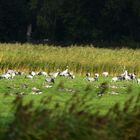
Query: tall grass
[{"x": 80, "y": 59}]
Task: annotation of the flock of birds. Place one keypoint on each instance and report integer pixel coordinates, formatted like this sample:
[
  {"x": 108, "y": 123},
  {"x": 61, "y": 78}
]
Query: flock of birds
[
  {"x": 122, "y": 77},
  {"x": 50, "y": 77}
]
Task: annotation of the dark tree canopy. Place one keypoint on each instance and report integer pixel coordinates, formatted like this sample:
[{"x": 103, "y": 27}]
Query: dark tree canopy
[{"x": 70, "y": 21}]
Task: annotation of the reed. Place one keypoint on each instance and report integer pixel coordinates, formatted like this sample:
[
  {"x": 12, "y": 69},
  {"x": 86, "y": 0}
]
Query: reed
[{"x": 80, "y": 59}]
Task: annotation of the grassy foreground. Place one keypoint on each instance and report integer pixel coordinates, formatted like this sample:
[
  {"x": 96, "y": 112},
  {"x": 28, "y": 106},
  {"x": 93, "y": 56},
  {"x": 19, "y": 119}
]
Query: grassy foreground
[
  {"x": 80, "y": 59},
  {"x": 63, "y": 90},
  {"x": 69, "y": 110}
]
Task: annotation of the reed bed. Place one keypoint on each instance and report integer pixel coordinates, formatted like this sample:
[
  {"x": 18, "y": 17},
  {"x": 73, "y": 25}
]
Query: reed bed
[{"x": 80, "y": 59}]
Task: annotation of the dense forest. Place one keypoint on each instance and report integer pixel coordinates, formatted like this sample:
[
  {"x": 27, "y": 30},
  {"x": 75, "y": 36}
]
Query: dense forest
[{"x": 70, "y": 21}]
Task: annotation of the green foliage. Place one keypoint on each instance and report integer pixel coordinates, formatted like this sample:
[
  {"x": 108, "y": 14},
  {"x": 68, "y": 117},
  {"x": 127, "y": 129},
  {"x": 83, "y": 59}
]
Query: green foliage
[
  {"x": 75, "y": 21},
  {"x": 74, "y": 121},
  {"x": 71, "y": 106}
]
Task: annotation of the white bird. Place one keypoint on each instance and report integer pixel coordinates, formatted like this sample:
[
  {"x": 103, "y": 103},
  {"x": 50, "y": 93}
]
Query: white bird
[
  {"x": 126, "y": 76},
  {"x": 125, "y": 73},
  {"x": 48, "y": 86},
  {"x": 34, "y": 89},
  {"x": 114, "y": 79},
  {"x": 13, "y": 75},
  {"x": 117, "y": 78},
  {"x": 54, "y": 74},
  {"x": 10, "y": 74},
  {"x": 32, "y": 73},
  {"x": 29, "y": 77},
  {"x": 96, "y": 75},
  {"x": 43, "y": 73},
  {"x": 91, "y": 79},
  {"x": 105, "y": 74},
  {"x": 63, "y": 73},
  {"x": 138, "y": 80},
  {"x": 10, "y": 71},
  {"x": 132, "y": 76},
  {"x": 6, "y": 76},
  {"x": 19, "y": 73},
  {"x": 114, "y": 93},
  {"x": 49, "y": 80},
  {"x": 88, "y": 74},
  {"x": 71, "y": 75},
  {"x": 66, "y": 75}
]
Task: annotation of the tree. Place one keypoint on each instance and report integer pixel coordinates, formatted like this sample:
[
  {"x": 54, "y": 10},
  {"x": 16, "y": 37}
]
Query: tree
[{"x": 13, "y": 20}]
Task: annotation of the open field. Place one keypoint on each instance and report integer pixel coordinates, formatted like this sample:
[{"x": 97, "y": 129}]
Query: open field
[
  {"x": 80, "y": 59},
  {"x": 68, "y": 97},
  {"x": 64, "y": 89},
  {"x": 65, "y": 93}
]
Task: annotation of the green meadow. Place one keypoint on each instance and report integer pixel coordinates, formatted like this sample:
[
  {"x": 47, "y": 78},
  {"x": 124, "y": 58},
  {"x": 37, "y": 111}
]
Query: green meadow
[{"x": 68, "y": 105}]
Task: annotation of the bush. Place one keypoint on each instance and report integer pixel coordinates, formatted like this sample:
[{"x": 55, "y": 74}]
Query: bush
[{"x": 74, "y": 121}]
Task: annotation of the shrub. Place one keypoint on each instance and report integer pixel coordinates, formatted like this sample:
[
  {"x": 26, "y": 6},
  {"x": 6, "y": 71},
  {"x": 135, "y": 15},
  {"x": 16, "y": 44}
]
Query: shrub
[{"x": 74, "y": 121}]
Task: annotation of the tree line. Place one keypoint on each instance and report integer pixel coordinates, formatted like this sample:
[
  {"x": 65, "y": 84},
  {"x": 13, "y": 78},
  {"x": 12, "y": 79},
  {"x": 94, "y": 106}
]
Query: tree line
[{"x": 70, "y": 21}]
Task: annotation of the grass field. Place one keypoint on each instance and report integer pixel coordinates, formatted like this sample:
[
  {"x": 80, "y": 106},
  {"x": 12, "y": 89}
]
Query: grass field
[
  {"x": 64, "y": 89},
  {"x": 80, "y": 60},
  {"x": 64, "y": 92}
]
